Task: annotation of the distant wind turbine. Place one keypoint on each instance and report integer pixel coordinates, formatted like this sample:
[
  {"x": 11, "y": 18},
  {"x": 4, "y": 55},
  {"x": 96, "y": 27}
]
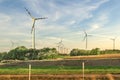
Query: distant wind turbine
[
  {"x": 33, "y": 27},
  {"x": 60, "y": 46},
  {"x": 86, "y": 38},
  {"x": 12, "y": 44},
  {"x": 113, "y": 39}
]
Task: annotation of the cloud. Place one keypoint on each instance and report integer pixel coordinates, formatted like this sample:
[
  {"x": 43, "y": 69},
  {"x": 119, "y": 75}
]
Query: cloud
[
  {"x": 5, "y": 20},
  {"x": 62, "y": 15},
  {"x": 99, "y": 21},
  {"x": 65, "y": 15},
  {"x": 53, "y": 38},
  {"x": 56, "y": 11}
]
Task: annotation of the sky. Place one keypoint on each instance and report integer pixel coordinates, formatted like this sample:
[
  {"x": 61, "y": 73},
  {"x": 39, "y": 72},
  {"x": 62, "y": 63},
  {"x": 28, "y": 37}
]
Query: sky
[{"x": 67, "y": 20}]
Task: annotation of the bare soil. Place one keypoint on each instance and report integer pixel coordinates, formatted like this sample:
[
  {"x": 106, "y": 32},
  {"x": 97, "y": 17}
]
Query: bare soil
[
  {"x": 104, "y": 56},
  {"x": 62, "y": 77}
]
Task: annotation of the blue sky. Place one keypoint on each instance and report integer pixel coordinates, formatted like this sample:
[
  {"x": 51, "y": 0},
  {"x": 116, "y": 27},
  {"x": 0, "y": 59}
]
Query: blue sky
[{"x": 66, "y": 20}]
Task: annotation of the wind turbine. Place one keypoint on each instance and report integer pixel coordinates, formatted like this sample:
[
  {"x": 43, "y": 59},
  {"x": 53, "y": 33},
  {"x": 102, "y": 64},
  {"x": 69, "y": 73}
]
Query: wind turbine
[
  {"x": 33, "y": 27},
  {"x": 12, "y": 44},
  {"x": 113, "y": 39},
  {"x": 60, "y": 46},
  {"x": 86, "y": 38}
]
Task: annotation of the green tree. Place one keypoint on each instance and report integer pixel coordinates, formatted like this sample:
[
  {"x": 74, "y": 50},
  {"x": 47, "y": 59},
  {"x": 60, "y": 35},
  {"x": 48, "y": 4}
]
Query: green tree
[
  {"x": 47, "y": 53},
  {"x": 78, "y": 52},
  {"x": 17, "y": 53},
  {"x": 95, "y": 51},
  {"x": 74, "y": 52}
]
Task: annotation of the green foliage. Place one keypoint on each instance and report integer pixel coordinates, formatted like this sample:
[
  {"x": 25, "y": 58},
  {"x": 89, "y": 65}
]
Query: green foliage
[
  {"x": 61, "y": 70},
  {"x": 110, "y": 51},
  {"x": 47, "y": 53},
  {"x": 22, "y": 53},
  {"x": 2, "y": 55},
  {"x": 17, "y": 53},
  {"x": 95, "y": 51},
  {"x": 77, "y": 52}
]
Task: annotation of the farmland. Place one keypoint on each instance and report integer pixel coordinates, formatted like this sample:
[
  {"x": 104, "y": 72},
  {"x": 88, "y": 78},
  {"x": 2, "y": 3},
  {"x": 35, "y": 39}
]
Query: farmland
[
  {"x": 56, "y": 70},
  {"x": 69, "y": 68},
  {"x": 61, "y": 77}
]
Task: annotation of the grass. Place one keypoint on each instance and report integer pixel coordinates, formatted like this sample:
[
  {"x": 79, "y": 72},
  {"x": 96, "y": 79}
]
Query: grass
[{"x": 61, "y": 70}]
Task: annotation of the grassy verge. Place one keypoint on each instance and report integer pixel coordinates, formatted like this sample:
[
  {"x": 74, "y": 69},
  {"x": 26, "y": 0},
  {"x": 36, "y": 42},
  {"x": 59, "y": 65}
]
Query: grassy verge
[{"x": 60, "y": 70}]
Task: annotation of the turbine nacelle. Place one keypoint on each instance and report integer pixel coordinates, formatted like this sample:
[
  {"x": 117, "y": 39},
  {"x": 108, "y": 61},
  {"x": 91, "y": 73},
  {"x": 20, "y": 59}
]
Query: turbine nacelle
[
  {"x": 113, "y": 38},
  {"x": 86, "y": 35}
]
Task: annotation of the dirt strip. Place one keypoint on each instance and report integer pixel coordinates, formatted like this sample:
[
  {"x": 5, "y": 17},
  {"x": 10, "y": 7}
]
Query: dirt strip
[{"x": 62, "y": 77}]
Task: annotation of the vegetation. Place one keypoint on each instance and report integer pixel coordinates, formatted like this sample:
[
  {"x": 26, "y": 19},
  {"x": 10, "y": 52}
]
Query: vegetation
[
  {"x": 96, "y": 51},
  {"x": 22, "y": 53},
  {"x": 61, "y": 70}
]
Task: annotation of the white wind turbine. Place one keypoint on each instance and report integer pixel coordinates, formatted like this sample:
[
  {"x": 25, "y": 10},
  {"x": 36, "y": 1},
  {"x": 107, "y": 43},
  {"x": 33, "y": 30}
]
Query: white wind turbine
[
  {"x": 33, "y": 27},
  {"x": 86, "y": 39},
  {"x": 60, "y": 46},
  {"x": 113, "y": 39},
  {"x": 12, "y": 44}
]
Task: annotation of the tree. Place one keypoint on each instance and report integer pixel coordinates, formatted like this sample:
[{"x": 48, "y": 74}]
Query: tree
[
  {"x": 95, "y": 51},
  {"x": 2, "y": 55},
  {"x": 47, "y": 53},
  {"x": 78, "y": 52},
  {"x": 17, "y": 53},
  {"x": 74, "y": 52}
]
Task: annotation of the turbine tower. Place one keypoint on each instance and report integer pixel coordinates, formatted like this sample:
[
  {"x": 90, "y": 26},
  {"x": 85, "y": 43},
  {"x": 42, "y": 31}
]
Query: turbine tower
[
  {"x": 113, "y": 39},
  {"x": 60, "y": 46},
  {"x": 12, "y": 44},
  {"x": 33, "y": 27},
  {"x": 86, "y": 39}
]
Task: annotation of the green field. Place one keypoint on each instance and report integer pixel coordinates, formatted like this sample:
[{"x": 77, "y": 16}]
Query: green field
[{"x": 61, "y": 70}]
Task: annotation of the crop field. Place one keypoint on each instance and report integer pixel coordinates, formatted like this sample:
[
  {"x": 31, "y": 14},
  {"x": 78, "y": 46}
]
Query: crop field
[
  {"x": 102, "y": 68},
  {"x": 60, "y": 73},
  {"x": 56, "y": 70}
]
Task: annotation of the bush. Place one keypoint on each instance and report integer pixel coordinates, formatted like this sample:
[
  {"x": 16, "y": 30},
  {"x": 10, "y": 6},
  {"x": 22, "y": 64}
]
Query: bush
[
  {"x": 95, "y": 51},
  {"x": 47, "y": 53},
  {"x": 77, "y": 52}
]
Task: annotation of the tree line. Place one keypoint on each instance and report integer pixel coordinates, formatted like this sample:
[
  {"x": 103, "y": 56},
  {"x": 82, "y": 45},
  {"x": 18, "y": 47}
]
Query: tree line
[
  {"x": 96, "y": 51},
  {"x": 23, "y": 53}
]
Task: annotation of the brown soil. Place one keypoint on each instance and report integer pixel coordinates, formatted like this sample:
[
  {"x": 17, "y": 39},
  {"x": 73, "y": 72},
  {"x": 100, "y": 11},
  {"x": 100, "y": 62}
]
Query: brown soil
[
  {"x": 62, "y": 77},
  {"x": 104, "y": 56}
]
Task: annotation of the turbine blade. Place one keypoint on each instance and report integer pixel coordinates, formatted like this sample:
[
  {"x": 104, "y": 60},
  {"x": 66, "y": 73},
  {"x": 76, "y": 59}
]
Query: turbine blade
[
  {"x": 111, "y": 39},
  {"x": 84, "y": 38},
  {"x": 61, "y": 40},
  {"x": 12, "y": 43},
  {"x": 62, "y": 44},
  {"x": 90, "y": 35},
  {"x": 33, "y": 26},
  {"x": 115, "y": 37},
  {"x": 28, "y": 12},
  {"x": 85, "y": 32},
  {"x": 40, "y": 18}
]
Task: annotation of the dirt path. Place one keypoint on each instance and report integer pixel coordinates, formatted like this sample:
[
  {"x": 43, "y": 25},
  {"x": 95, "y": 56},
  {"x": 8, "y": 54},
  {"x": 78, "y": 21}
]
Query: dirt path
[
  {"x": 104, "y": 56},
  {"x": 62, "y": 77}
]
